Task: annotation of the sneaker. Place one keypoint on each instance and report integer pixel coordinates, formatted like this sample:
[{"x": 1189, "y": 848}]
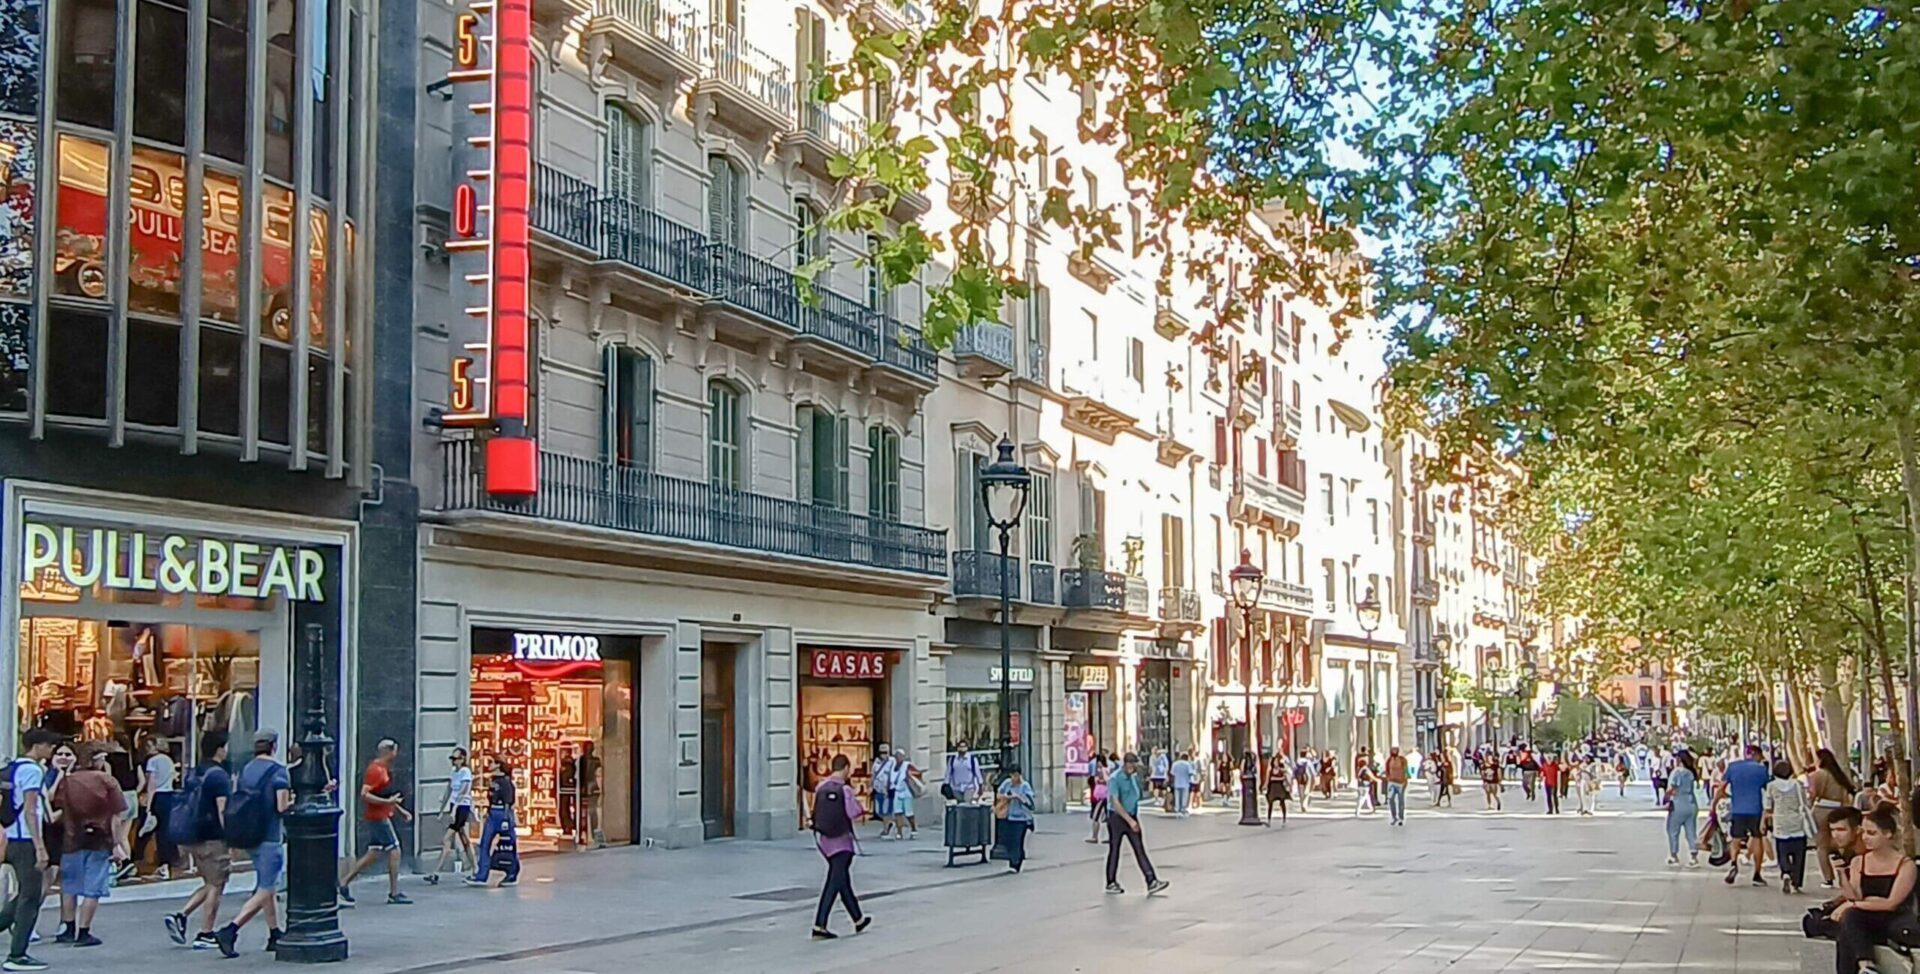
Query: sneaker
[
  {"x": 862, "y": 924},
  {"x": 822, "y": 933},
  {"x": 273, "y": 940},
  {"x": 1759, "y": 880},
  {"x": 1693, "y": 862},
  {"x": 476, "y": 883},
  {"x": 1673, "y": 860},
  {"x": 1115, "y": 888},
  {"x": 226, "y": 938},
  {"x": 23, "y": 963},
  {"x": 126, "y": 871},
  {"x": 346, "y": 897},
  {"x": 1156, "y": 886},
  {"x": 87, "y": 941},
  {"x": 1732, "y": 874},
  {"x": 65, "y": 936},
  {"x": 1090, "y": 840},
  {"x": 431, "y": 879},
  {"x": 206, "y": 941},
  {"x": 398, "y": 899},
  {"x": 510, "y": 881},
  {"x": 1826, "y": 884},
  {"x": 1786, "y": 884},
  {"x": 176, "y": 928}
]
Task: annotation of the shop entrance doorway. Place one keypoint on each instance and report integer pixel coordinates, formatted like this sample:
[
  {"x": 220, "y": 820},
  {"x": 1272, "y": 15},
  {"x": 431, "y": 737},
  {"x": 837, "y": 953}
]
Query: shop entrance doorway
[{"x": 717, "y": 738}]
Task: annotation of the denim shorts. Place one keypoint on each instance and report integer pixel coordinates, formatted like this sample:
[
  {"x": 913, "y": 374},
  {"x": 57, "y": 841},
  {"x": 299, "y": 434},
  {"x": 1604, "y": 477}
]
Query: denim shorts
[
  {"x": 381, "y": 836},
  {"x": 87, "y": 873},
  {"x": 269, "y": 861}
]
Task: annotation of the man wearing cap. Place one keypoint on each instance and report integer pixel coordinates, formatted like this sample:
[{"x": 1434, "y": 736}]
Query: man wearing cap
[
  {"x": 1744, "y": 784},
  {"x": 262, "y": 776}
]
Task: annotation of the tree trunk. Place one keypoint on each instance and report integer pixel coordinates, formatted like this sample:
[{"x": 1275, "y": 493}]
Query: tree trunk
[
  {"x": 1836, "y": 706},
  {"x": 1877, "y": 634}
]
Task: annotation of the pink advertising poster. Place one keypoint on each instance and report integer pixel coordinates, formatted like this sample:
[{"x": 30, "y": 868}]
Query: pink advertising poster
[{"x": 1076, "y": 733}]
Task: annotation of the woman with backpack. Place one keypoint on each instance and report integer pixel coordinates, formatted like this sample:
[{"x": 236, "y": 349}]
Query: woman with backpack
[
  {"x": 1097, "y": 772},
  {"x": 835, "y": 809}
]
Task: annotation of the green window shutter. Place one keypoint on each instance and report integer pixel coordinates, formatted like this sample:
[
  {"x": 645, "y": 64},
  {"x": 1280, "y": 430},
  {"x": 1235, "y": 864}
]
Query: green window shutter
[
  {"x": 722, "y": 201},
  {"x": 803, "y": 456},
  {"x": 874, "y": 486},
  {"x": 842, "y": 495}
]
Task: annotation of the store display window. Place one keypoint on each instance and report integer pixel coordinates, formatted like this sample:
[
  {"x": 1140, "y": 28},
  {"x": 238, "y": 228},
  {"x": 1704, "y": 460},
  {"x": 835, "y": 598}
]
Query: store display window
[
  {"x": 843, "y": 704},
  {"x": 974, "y": 716},
  {"x": 559, "y": 708}
]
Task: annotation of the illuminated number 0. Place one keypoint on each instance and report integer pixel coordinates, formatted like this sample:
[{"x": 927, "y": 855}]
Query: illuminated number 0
[
  {"x": 463, "y": 209},
  {"x": 462, "y": 385},
  {"x": 466, "y": 47}
]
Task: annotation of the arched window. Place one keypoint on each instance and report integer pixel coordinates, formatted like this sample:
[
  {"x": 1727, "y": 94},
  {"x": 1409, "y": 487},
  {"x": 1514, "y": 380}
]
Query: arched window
[
  {"x": 629, "y": 159},
  {"x": 629, "y": 410},
  {"x": 809, "y": 232},
  {"x": 724, "y": 426},
  {"x": 820, "y": 462},
  {"x": 883, "y": 473},
  {"x": 726, "y": 201}
]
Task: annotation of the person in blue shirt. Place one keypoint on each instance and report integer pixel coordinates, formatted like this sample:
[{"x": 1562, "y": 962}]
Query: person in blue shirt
[
  {"x": 1017, "y": 792},
  {"x": 1744, "y": 785},
  {"x": 1123, "y": 823}
]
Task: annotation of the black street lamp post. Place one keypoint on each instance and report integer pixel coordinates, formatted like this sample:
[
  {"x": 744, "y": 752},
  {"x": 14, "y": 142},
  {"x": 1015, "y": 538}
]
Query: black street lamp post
[
  {"x": 1368, "y": 613},
  {"x": 1245, "y": 579},
  {"x": 313, "y": 831},
  {"x": 1003, "y": 493},
  {"x": 1443, "y": 649}
]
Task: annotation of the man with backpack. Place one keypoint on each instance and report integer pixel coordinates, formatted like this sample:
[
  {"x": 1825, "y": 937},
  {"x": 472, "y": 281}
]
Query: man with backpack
[
  {"x": 197, "y": 823},
  {"x": 835, "y": 809},
  {"x": 93, "y": 810},
  {"x": 261, "y": 796},
  {"x": 23, "y": 812}
]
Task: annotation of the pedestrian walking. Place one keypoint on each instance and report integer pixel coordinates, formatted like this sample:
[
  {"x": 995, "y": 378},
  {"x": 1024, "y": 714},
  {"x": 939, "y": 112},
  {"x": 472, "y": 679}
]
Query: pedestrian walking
[
  {"x": 1683, "y": 809},
  {"x": 1364, "y": 786},
  {"x": 1658, "y": 767},
  {"x": 499, "y": 850},
  {"x": 457, "y": 812},
  {"x": 380, "y": 801},
  {"x": 1396, "y": 786},
  {"x": 835, "y": 809},
  {"x": 1279, "y": 786},
  {"x": 1327, "y": 767},
  {"x": 963, "y": 779},
  {"x": 880, "y": 786},
  {"x": 1123, "y": 823},
  {"x": 1490, "y": 781},
  {"x": 1586, "y": 776},
  {"x": 1832, "y": 790},
  {"x": 1181, "y": 776},
  {"x": 1529, "y": 773},
  {"x": 906, "y": 786},
  {"x": 1624, "y": 769},
  {"x": 260, "y": 799},
  {"x": 196, "y": 822},
  {"x": 127, "y": 774},
  {"x": 1162, "y": 767},
  {"x": 94, "y": 812},
  {"x": 1744, "y": 786},
  {"x": 59, "y": 766},
  {"x": 1790, "y": 820},
  {"x": 1883, "y": 881},
  {"x": 1097, "y": 776},
  {"x": 1013, "y": 805},
  {"x": 1303, "y": 776},
  {"x": 24, "y": 812},
  {"x": 159, "y": 775}
]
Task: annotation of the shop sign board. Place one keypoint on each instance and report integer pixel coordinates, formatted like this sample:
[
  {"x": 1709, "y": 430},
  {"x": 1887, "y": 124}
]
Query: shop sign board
[
  {"x": 1091, "y": 676},
  {"x": 1074, "y": 725},
  {"x": 1017, "y": 674},
  {"x": 177, "y": 564},
  {"x": 848, "y": 664}
]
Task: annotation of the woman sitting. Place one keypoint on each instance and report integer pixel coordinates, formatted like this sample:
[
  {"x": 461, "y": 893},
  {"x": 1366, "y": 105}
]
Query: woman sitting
[{"x": 1878, "y": 886}]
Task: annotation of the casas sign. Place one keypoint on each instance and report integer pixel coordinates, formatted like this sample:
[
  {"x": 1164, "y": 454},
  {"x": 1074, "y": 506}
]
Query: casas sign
[{"x": 848, "y": 664}]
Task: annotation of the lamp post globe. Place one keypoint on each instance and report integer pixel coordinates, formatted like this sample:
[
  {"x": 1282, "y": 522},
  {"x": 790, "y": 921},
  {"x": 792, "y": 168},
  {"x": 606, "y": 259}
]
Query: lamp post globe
[
  {"x": 1244, "y": 580},
  {"x": 1004, "y": 484},
  {"x": 1367, "y": 612}
]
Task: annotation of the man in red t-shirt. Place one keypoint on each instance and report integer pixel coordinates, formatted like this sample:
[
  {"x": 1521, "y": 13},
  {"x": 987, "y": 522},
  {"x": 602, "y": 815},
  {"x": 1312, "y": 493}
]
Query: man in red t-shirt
[
  {"x": 380, "y": 800},
  {"x": 1551, "y": 771}
]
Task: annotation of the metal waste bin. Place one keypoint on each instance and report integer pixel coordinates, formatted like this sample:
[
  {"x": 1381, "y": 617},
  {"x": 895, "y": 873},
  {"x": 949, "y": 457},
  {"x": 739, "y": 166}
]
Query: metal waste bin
[{"x": 968, "y": 831}]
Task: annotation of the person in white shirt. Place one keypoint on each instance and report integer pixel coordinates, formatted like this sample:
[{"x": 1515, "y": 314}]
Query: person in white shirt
[
  {"x": 457, "y": 812},
  {"x": 27, "y": 847},
  {"x": 1182, "y": 774},
  {"x": 1791, "y": 817}
]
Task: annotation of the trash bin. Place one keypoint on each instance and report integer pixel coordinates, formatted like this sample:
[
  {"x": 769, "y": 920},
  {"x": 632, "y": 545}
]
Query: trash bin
[{"x": 968, "y": 831}]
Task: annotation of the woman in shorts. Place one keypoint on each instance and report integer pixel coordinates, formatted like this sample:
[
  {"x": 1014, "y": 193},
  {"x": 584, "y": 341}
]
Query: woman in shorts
[{"x": 457, "y": 812}]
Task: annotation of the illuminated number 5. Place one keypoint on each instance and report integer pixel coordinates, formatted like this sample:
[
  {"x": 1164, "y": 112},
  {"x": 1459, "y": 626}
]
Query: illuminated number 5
[
  {"x": 462, "y": 385},
  {"x": 466, "y": 47}
]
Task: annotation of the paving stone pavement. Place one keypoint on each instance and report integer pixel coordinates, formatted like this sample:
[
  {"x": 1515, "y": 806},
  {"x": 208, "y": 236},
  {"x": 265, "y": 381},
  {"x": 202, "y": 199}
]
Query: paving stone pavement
[{"x": 1457, "y": 890}]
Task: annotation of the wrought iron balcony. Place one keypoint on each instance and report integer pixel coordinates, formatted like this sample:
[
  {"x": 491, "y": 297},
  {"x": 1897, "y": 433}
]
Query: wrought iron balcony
[
  {"x": 564, "y": 207},
  {"x": 902, "y": 347},
  {"x": 599, "y": 494},
  {"x": 1179, "y": 605},
  {"x": 1036, "y": 365},
  {"x": 1280, "y": 595},
  {"x": 1084, "y": 589},
  {"x": 1040, "y": 584},
  {"x": 984, "y": 349},
  {"x": 655, "y": 39},
  {"x": 750, "y": 88},
  {"x": 1256, "y": 498},
  {"x": 976, "y": 574}
]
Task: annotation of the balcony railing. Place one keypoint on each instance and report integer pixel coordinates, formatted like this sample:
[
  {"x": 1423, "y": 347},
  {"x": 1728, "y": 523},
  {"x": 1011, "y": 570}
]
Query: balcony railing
[
  {"x": 1037, "y": 364},
  {"x": 1283, "y": 596},
  {"x": 991, "y": 341},
  {"x": 1179, "y": 605},
  {"x": 832, "y": 123},
  {"x": 620, "y": 230},
  {"x": 1272, "y": 497},
  {"x": 750, "y": 70},
  {"x": 1084, "y": 589},
  {"x": 1040, "y": 584},
  {"x": 977, "y": 573},
  {"x": 674, "y": 23},
  {"x": 599, "y": 494}
]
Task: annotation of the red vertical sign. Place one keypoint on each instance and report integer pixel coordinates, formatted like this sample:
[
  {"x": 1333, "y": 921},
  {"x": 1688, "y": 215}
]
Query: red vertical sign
[{"x": 512, "y": 456}]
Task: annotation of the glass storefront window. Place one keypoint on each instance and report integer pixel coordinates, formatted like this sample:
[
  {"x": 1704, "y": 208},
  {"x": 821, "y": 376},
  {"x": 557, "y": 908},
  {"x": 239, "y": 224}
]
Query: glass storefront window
[
  {"x": 89, "y": 38},
  {"x": 542, "y": 722},
  {"x": 220, "y": 380},
  {"x": 80, "y": 224},
  {"x": 974, "y": 716},
  {"x": 77, "y": 353},
  {"x": 226, "y": 126},
  {"x": 276, "y": 271},
  {"x": 160, "y": 72},
  {"x": 281, "y": 17},
  {"x": 156, "y": 190},
  {"x": 220, "y": 246},
  {"x": 153, "y": 372}
]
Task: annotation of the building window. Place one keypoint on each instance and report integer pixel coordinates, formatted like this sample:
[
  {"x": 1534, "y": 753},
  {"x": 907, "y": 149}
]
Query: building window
[
  {"x": 723, "y": 435},
  {"x": 1173, "y": 551},
  {"x": 1373, "y": 518},
  {"x": 971, "y": 527},
  {"x": 1040, "y": 520},
  {"x": 1137, "y": 362},
  {"x": 726, "y": 202},
  {"x": 1326, "y": 572},
  {"x": 820, "y": 472},
  {"x": 629, "y": 383},
  {"x": 883, "y": 473},
  {"x": 879, "y": 294},
  {"x": 809, "y": 233},
  {"x": 1646, "y": 697},
  {"x": 629, "y": 163},
  {"x": 1326, "y": 494}
]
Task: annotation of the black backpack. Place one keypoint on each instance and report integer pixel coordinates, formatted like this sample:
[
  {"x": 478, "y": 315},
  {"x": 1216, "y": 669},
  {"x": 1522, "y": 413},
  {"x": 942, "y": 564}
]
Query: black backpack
[
  {"x": 830, "y": 811},
  {"x": 250, "y": 811},
  {"x": 9, "y": 802}
]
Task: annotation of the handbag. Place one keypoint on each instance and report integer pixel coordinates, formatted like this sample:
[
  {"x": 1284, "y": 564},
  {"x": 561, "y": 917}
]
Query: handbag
[
  {"x": 1001, "y": 806},
  {"x": 915, "y": 786}
]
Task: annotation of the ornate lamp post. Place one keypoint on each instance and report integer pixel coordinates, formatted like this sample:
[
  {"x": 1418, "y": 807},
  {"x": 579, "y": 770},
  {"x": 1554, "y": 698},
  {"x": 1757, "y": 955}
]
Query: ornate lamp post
[
  {"x": 1245, "y": 579},
  {"x": 1443, "y": 648},
  {"x": 313, "y": 831},
  {"x": 1367, "y": 611},
  {"x": 1003, "y": 492}
]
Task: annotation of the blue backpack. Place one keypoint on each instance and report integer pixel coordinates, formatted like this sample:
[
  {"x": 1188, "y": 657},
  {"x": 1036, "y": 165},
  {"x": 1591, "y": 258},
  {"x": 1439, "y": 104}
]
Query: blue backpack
[
  {"x": 188, "y": 822},
  {"x": 250, "y": 810}
]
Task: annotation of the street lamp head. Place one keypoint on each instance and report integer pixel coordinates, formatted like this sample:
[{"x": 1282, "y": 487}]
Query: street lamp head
[
  {"x": 1003, "y": 488},
  {"x": 1368, "y": 612},
  {"x": 1245, "y": 578},
  {"x": 1443, "y": 644}
]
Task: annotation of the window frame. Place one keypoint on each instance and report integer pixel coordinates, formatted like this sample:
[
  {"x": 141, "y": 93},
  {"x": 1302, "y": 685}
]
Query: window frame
[{"x": 725, "y": 414}]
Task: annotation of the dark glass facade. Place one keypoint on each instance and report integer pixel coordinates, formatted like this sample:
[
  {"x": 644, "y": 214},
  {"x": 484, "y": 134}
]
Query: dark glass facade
[{"x": 179, "y": 231}]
